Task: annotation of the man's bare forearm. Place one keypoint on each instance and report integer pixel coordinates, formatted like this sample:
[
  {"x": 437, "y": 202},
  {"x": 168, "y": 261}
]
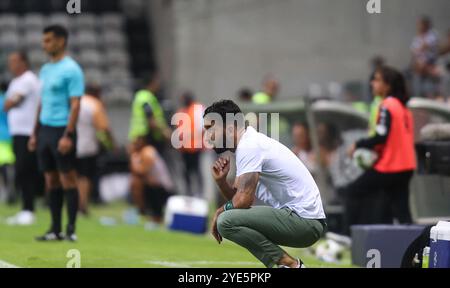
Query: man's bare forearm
[
  {"x": 73, "y": 118},
  {"x": 36, "y": 123},
  {"x": 13, "y": 102},
  {"x": 227, "y": 190},
  {"x": 245, "y": 190}
]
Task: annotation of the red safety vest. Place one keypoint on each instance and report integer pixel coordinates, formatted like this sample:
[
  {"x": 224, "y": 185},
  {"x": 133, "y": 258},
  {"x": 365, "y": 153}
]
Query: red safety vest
[
  {"x": 398, "y": 153},
  {"x": 194, "y": 131}
]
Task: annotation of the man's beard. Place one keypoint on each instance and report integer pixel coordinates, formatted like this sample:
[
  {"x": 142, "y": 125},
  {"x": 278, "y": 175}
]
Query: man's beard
[
  {"x": 220, "y": 150},
  {"x": 225, "y": 147}
]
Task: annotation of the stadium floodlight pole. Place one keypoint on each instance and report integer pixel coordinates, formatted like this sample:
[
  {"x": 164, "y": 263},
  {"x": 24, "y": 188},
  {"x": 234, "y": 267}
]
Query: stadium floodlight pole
[{"x": 320, "y": 176}]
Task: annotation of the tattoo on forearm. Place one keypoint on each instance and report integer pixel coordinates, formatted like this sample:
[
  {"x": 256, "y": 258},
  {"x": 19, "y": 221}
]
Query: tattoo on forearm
[{"x": 246, "y": 188}]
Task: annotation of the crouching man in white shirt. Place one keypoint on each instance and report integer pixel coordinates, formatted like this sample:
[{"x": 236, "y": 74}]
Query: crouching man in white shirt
[{"x": 269, "y": 172}]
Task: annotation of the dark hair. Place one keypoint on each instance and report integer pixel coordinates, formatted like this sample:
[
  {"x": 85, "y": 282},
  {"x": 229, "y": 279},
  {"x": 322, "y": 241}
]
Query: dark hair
[
  {"x": 302, "y": 124},
  {"x": 396, "y": 82},
  {"x": 23, "y": 56},
  {"x": 58, "y": 30},
  {"x": 333, "y": 136},
  {"x": 188, "y": 97},
  {"x": 151, "y": 77},
  {"x": 427, "y": 21},
  {"x": 223, "y": 108},
  {"x": 245, "y": 94},
  {"x": 93, "y": 89}
]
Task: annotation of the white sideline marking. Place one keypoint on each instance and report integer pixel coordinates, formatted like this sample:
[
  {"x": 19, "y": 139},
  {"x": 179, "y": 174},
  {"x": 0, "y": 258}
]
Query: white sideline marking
[
  {"x": 4, "y": 264},
  {"x": 190, "y": 264}
]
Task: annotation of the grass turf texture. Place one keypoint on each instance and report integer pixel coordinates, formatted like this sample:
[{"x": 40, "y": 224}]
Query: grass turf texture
[{"x": 125, "y": 245}]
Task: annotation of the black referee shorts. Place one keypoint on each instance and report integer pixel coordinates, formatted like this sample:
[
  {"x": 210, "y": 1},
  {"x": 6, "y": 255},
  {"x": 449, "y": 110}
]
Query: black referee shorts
[
  {"x": 87, "y": 166},
  {"x": 49, "y": 158}
]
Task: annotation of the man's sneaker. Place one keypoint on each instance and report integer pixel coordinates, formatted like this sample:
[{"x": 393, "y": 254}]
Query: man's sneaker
[
  {"x": 23, "y": 218},
  {"x": 300, "y": 264},
  {"x": 70, "y": 233},
  {"x": 71, "y": 237},
  {"x": 50, "y": 236}
]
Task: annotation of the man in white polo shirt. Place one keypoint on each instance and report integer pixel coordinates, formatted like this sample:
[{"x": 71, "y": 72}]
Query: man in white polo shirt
[
  {"x": 21, "y": 105},
  {"x": 269, "y": 172}
]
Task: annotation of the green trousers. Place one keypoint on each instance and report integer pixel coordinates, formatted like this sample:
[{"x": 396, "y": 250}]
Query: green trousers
[{"x": 261, "y": 229}]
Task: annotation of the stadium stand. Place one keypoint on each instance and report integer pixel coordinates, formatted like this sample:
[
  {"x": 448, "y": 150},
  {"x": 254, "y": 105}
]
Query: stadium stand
[{"x": 111, "y": 44}]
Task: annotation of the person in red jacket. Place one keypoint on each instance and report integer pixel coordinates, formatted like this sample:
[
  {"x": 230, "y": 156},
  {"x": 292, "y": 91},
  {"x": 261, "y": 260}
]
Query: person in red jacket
[{"x": 382, "y": 192}]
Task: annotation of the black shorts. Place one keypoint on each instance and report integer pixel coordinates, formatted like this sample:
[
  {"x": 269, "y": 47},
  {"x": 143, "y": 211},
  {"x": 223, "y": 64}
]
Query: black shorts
[
  {"x": 87, "y": 166},
  {"x": 49, "y": 157}
]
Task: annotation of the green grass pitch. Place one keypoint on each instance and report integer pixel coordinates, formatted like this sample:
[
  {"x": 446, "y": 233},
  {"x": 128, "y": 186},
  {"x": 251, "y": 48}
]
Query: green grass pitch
[{"x": 124, "y": 245}]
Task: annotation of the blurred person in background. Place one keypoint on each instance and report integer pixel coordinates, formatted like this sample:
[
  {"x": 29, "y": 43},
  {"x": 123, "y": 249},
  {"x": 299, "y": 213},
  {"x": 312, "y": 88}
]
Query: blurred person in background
[
  {"x": 382, "y": 192},
  {"x": 21, "y": 103},
  {"x": 245, "y": 95},
  {"x": 148, "y": 166},
  {"x": 376, "y": 63},
  {"x": 194, "y": 133},
  {"x": 147, "y": 120},
  {"x": 94, "y": 133},
  {"x": 147, "y": 116},
  {"x": 6, "y": 151},
  {"x": 329, "y": 140},
  {"x": 271, "y": 88},
  {"x": 425, "y": 52},
  {"x": 302, "y": 146},
  {"x": 445, "y": 49},
  {"x": 445, "y": 68}
]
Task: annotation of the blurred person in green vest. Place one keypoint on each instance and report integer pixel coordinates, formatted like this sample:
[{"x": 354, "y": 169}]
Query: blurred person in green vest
[
  {"x": 147, "y": 116},
  {"x": 148, "y": 122},
  {"x": 270, "y": 91}
]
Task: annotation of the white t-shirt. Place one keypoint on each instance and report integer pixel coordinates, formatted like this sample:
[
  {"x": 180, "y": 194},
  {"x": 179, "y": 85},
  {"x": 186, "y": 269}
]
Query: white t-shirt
[
  {"x": 21, "y": 119},
  {"x": 283, "y": 180}
]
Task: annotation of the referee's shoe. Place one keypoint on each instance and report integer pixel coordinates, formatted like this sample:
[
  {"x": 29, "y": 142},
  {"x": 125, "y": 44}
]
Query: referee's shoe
[{"x": 50, "y": 236}]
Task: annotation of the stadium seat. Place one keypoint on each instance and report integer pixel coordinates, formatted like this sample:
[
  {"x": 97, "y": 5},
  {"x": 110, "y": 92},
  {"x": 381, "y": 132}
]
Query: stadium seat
[
  {"x": 9, "y": 22},
  {"x": 61, "y": 19},
  {"x": 117, "y": 58},
  {"x": 118, "y": 73},
  {"x": 37, "y": 58},
  {"x": 34, "y": 6},
  {"x": 3, "y": 60},
  {"x": 113, "y": 40},
  {"x": 9, "y": 41},
  {"x": 119, "y": 93},
  {"x": 132, "y": 8},
  {"x": 90, "y": 58},
  {"x": 85, "y": 39},
  {"x": 33, "y": 22},
  {"x": 5, "y": 6},
  {"x": 93, "y": 75},
  {"x": 125, "y": 82},
  {"x": 85, "y": 22},
  {"x": 111, "y": 21},
  {"x": 107, "y": 5},
  {"x": 58, "y": 5},
  {"x": 33, "y": 39}
]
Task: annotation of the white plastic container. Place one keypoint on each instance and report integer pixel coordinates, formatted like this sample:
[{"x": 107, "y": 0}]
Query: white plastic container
[
  {"x": 440, "y": 245},
  {"x": 188, "y": 214}
]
